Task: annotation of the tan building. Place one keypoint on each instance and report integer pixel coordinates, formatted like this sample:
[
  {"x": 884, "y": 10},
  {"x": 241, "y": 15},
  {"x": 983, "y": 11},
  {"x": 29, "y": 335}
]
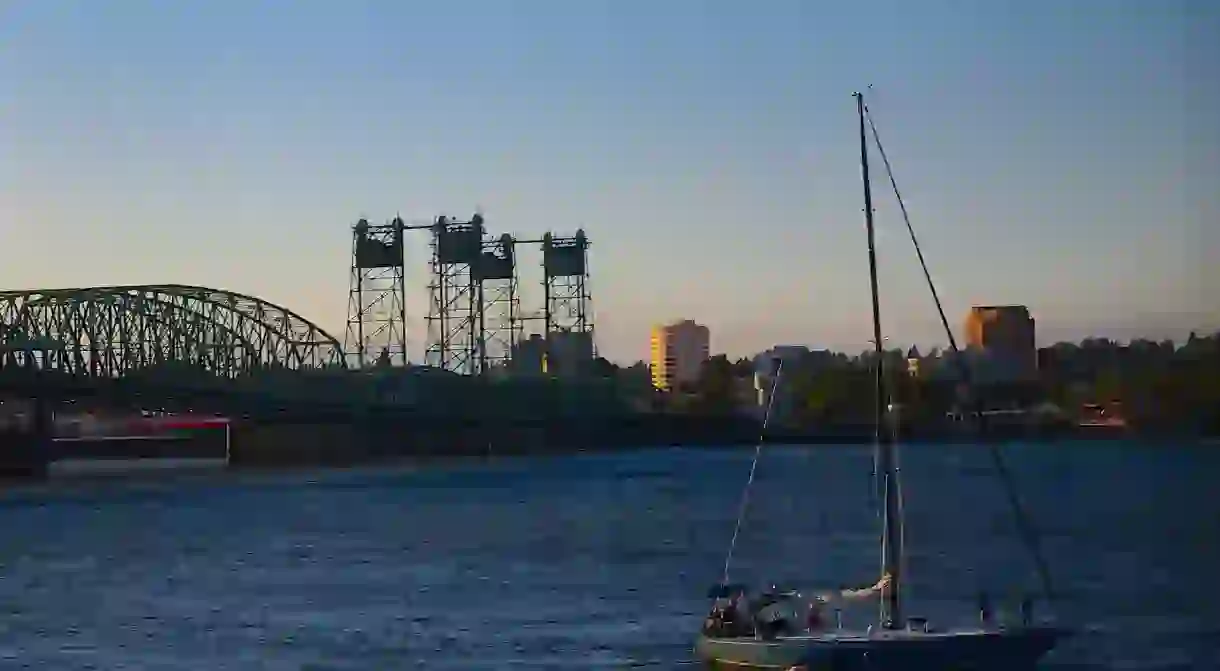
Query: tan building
[
  {"x": 678, "y": 352},
  {"x": 1005, "y": 332}
]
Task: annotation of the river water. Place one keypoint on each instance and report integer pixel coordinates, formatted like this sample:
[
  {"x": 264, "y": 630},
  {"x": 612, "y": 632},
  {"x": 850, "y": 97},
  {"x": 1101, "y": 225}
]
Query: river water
[{"x": 591, "y": 561}]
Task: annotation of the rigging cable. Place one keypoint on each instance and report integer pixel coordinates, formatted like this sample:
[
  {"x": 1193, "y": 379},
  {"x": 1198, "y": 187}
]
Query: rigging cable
[
  {"x": 745, "y": 494},
  {"x": 899, "y": 495},
  {"x": 1024, "y": 526}
]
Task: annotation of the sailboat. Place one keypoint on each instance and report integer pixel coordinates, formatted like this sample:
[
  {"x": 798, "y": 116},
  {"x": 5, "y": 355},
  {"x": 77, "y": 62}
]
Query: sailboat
[{"x": 740, "y": 637}]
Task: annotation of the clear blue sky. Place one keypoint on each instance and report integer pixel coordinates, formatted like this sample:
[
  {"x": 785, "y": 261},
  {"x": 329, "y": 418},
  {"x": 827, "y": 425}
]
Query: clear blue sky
[{"x": 1061, "y": 154}]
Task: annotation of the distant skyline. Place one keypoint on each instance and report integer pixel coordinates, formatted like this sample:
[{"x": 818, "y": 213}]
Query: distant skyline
[{"x": 1061, "y": 155}]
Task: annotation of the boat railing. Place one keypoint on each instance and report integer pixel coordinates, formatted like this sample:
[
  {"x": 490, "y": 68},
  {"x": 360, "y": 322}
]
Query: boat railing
[{"x": 918, "y": 624}]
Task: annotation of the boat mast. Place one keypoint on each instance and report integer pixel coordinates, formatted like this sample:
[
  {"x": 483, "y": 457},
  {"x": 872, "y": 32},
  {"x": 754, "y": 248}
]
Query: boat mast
[{"x": 891, "y": 609}]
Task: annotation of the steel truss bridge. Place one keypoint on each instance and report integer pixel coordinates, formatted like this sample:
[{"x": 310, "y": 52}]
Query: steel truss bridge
[
  {"x": 179, "y": 347},
  {"x": 159, "y": 336}
]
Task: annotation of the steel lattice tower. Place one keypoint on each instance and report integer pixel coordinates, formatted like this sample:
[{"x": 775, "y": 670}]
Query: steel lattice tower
[
  {"x": 500, "y": 305},
  {"x": 567, "y": 305},
  {"x": 454, "y": 328},
  {"x": 157, "y": 332},
  {"x": 376, "y": 307}
]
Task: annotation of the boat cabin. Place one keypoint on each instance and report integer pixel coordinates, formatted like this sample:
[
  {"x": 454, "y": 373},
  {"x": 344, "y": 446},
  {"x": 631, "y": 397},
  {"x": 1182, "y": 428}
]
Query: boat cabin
[{"x": 738, "y": 614}]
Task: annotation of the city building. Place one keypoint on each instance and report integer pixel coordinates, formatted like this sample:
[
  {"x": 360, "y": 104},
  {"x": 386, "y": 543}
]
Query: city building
[
  {"x": 913, "y": 361},
  {"x": 561, "y": 354},
  {"x": 1005, "y": 334},
  {"x": 529, "y": 355},
  {"x": 677, "y": 353}
]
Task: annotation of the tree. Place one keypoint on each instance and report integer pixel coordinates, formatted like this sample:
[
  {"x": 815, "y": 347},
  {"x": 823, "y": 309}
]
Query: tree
[
  {"x": 836, "y": 394},
  {"x": 603, "y": 367},
  {"x": 716, "y": 388}
]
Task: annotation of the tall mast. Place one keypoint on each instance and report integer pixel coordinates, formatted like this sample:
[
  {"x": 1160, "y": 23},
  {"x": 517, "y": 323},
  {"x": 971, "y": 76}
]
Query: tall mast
[{"x": 891, "y": 535}]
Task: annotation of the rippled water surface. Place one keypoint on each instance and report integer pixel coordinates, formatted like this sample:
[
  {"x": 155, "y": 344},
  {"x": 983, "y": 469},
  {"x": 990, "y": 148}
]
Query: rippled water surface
[{"x": 594, "y": 561}]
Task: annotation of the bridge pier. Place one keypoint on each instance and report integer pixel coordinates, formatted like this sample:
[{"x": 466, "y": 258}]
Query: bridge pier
[
  {"x": 267, "y": 444},
  {"x": 25, "y": 448}
]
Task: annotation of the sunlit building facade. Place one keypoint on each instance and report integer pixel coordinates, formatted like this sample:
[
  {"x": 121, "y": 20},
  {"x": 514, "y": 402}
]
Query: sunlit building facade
[
  {"x": 1005, "y": 333},
  {"x": 677, "y": 353}
]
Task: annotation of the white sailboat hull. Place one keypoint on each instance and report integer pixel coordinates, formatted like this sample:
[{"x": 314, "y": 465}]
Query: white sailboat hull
[{"x": 1007, "y": 649}]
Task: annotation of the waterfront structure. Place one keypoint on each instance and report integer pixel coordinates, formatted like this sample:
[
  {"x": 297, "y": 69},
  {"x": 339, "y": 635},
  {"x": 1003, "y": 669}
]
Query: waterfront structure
[
  {"x": 376, "y": 306},
  {"x": 678, "y": 351},
  {"x": 473, "y": 305},
  {"x": 475, "y": 317}
]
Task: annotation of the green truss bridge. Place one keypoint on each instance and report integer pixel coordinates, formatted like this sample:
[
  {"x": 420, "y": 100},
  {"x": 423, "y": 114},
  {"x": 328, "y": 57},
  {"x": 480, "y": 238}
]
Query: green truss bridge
[
  {"x": 172, "y": 340},
  {"x": 176, "y": 347}
]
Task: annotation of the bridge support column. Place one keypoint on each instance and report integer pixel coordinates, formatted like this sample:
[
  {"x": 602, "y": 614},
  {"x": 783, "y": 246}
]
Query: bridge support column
[{"x": 25, "y": 450}]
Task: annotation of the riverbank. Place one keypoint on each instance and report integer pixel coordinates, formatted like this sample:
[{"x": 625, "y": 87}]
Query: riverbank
[{"x": 303, "y": 444}]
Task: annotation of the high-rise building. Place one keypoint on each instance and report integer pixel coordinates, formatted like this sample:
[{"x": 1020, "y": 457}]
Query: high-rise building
[
  {"x": 678, "y": 352},
  {"x": 1005, "y": 333}
]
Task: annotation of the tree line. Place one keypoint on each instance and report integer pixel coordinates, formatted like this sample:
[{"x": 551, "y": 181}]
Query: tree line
[{"x": 1155, "y": 385}]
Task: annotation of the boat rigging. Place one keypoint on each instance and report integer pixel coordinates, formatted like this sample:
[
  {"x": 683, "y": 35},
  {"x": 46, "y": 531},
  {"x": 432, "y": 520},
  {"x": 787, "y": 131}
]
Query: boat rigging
[
  {"x": 763, "y": 632},
  {"x": 1025, "y": 526}
]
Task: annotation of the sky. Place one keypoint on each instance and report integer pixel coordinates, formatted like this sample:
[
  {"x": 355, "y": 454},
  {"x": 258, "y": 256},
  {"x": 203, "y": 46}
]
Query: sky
[{"x": 1062, "y": 154}]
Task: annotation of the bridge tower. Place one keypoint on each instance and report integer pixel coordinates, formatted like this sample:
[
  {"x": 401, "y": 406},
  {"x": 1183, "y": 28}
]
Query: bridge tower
[
  {"x": 376, "y": 307},
  {"x": 567, "y": 305},
  {"x": 28, "y": 444},
  {"x": 499, "y": 303},
  {"x": 455, "y": 313}
]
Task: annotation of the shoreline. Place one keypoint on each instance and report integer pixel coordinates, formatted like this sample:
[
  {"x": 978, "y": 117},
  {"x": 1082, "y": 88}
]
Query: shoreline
[{"x": 282, "y": 449}]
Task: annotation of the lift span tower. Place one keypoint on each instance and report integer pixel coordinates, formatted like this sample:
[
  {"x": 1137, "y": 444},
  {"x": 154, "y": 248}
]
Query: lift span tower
[{"x": 474, "y": 319}]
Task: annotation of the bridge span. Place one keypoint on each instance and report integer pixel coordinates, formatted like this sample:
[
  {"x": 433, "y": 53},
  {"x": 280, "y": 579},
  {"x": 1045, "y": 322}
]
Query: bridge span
[
  {"x": 284, "y": 382},
  {"x": 170, "y": 345},
  {"x": 112, "y": 332}
]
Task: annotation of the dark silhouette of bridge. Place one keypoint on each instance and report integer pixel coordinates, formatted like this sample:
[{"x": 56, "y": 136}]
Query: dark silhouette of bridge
[
  {"x": 177, "y": 347},
  {"x": 285, "y": 383},
  {"x": 170, "y": 342},
  {"x": 113, "y": 331}
]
